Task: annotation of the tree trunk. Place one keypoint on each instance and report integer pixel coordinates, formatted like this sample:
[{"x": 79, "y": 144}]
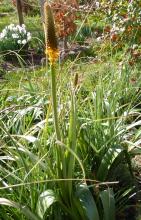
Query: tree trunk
[
  {"x": 19, "y": 10},
  {"x": 41, "y": 2}
]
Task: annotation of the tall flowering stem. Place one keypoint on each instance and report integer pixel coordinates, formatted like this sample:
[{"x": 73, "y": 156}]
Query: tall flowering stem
[
  {"x": 65, "y": 157},
  {"x": 53, "y": 53}
]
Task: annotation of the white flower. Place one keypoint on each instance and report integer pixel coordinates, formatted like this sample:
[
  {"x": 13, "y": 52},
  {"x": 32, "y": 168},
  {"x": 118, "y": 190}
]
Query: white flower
[
  {"x": 18, "y": 26},
  {"x": 4, "y": 31},
  {"x": 20, "y": 29},
  {"x": 24, "y": 41},
  {"x": 15, "y": 36},
  {"x": 97, "y": 4},
  {"x": 2, "y": 35},
  {"x": 135, "y": 46},
  {"x": 115, "y": 28},
  {"x": 15, "y": 28},
  {"x": 24, "y": 31},
  {"x": 98, "y": 39},
  {"x": 19, "y": 42},
  {"x": 115, "y": 17},
  {"x": 23, "y": 25},
  {"x": 28, "y": 36},
  {"x": 122, "y": 29},
  {"x": 10, "y": 27}
]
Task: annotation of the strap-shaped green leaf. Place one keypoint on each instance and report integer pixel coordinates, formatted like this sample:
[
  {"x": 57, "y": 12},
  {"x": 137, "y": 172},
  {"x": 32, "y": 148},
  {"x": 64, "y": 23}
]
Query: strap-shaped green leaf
[
  {"x": 25, "y": 210},
  {"x": 88, "y": 202},
  {"x": 107, "y": 161},
  {"x": 108, "y": 203}
]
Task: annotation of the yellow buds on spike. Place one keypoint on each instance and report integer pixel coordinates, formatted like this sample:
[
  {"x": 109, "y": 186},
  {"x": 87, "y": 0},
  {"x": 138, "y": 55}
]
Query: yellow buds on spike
[{"x": 50, "y": 35}]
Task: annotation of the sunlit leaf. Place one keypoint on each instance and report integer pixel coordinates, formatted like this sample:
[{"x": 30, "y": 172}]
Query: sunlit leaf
[{"x": 46, "y": 199}]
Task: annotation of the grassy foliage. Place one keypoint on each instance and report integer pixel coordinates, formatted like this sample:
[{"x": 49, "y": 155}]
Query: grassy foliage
[{"x": 107, "y": 134}]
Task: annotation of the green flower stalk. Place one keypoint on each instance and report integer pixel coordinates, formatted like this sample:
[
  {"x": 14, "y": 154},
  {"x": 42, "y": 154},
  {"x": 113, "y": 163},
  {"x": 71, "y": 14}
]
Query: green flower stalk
[
  {"x": 65, "y": 157},
  {"x": 53, "y": 53}
]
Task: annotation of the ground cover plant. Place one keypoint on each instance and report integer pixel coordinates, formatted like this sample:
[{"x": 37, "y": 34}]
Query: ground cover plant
[{"x": 70, "y": 131}]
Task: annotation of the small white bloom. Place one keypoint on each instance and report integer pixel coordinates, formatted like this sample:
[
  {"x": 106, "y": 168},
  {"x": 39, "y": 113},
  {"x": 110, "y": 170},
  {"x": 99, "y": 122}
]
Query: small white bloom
[
  {"x": 2, "y": 35},
  {"x": 18, "y": 26},
  {"x": 109, "y": 11},
  {"x": 116, "y": 28},
  {"x": 10, "y": 27},
  {"x": 15, "y": 36},
  {"x": 28, "y": 36},
  {"x": 135, "y": 46},
  {"x": 19, "y": 42},
  {"x": 4, "y": 31},
  {"x": 115, "y": 17},
  {"x": 97, "y": 4},
  {"x": 24, "y": 41},
  {"x": 122, "y": 29},
  {"x": 15, "y": 28},
  {"x": 98, "y": 39},
  {"x": 23, "y": 25},
  {"x": 20, "y": 29},
  {"x": 24, "y": 31}
]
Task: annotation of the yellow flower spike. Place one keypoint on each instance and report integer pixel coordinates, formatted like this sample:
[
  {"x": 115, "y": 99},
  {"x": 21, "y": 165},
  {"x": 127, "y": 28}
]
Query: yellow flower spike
[
  {"x": 50, "y": 35},
  {"x": 53, "y": 54}
]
